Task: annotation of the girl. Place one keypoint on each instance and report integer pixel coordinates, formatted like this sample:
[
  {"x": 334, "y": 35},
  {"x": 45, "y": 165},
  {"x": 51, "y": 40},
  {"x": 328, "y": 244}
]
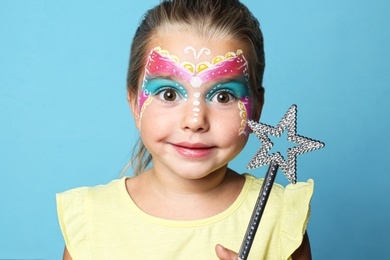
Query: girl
[{"x": 195, "y": 77}]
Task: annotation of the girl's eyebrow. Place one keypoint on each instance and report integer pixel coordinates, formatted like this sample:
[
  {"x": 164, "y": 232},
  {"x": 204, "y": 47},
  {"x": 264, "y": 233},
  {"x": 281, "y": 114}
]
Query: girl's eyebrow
[{"x": 238, "y": 79}]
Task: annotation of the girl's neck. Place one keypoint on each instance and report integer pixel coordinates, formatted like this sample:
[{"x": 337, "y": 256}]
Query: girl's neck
[
  {"x": 168, "y": 183},
  {"x": 187, "y": 199}
]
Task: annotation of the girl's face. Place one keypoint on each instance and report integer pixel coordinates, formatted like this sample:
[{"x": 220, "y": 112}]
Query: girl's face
[{"x": 193, "y": 103}]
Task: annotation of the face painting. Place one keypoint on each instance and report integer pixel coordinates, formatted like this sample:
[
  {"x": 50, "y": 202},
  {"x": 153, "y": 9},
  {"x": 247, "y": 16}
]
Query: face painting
[{"x": 230, "y": 71}]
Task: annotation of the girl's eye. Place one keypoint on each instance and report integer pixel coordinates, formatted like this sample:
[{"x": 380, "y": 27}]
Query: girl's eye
[
  {"x": 223, "y": 97},
  {"x": 169, "y": 95}
]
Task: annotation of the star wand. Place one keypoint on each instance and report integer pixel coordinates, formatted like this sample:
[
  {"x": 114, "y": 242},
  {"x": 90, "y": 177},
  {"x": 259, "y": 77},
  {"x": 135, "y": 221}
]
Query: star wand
[{"x": 275, "y": 161}]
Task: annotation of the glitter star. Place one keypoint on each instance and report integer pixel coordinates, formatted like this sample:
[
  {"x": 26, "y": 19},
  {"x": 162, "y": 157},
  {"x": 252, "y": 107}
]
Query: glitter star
[{"x": 305, "y": 144}]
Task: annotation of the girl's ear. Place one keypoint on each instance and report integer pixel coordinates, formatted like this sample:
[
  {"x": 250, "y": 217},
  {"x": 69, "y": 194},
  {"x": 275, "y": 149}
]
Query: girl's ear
[{"x": 133, "y": 103}]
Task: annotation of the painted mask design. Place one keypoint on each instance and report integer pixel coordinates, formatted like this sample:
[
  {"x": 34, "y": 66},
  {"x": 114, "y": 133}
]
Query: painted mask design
[{"x": 231, "y": 65}]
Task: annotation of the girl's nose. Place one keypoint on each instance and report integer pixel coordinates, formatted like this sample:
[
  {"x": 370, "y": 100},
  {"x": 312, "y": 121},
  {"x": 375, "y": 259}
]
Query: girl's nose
[{"x": 196, "y": 117}]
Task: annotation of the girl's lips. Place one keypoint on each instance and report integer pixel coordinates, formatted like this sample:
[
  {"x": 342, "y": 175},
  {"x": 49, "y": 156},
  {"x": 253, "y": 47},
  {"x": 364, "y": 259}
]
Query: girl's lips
[{"x": 193, "y": 150}]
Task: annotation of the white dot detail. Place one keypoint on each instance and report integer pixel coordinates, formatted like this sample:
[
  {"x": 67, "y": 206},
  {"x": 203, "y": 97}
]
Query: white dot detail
[{"x": 196, "y": 82}]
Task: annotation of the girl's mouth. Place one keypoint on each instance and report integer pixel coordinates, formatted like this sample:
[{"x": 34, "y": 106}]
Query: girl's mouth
[{"x": 193, "y": 150}]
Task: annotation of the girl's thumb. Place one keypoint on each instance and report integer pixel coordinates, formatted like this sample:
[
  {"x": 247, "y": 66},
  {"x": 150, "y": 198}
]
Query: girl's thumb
[{"x": 224, "y": 253}]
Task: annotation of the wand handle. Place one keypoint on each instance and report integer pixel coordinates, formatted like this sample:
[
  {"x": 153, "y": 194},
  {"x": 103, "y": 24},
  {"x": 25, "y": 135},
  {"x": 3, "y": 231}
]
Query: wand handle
[{"x": 258, "y": 210}]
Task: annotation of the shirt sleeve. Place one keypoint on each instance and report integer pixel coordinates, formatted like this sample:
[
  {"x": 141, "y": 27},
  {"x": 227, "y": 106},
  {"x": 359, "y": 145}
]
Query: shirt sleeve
[
  {"x": 71, "y": 209},
  {"x": 295, "y": 215}
]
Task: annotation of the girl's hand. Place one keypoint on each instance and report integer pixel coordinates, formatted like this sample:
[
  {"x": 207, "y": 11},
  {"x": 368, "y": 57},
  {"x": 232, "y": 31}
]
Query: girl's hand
[{"x": 225, "y": 254}]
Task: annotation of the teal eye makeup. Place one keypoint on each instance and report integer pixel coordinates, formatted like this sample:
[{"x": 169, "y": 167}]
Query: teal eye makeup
[
  {"x": 165, "y": 89},
  {"x": 227, "y": 92}
]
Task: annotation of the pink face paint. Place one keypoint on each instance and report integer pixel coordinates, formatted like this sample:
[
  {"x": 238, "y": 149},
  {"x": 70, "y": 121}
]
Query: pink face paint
[
  {"x": 159, "y": 64},
  {"x": 229, "y": 68}
]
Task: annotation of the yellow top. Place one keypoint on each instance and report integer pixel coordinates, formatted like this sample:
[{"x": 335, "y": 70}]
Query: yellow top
[{"x": 103, "y": 222}]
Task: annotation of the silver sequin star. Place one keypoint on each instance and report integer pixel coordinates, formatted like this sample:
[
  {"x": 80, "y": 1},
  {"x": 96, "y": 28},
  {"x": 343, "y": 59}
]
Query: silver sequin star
[{"x": 262, "y": 157}]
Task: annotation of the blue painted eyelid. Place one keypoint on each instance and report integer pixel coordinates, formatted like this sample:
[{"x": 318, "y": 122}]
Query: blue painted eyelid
[
  {"x": 154, "y": 86},
  {"x": 236, "y": 88}
]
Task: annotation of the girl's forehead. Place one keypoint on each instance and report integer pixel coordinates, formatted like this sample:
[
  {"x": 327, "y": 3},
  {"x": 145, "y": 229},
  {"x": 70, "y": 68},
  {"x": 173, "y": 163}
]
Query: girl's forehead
[
  {"x": 192, "y": 47},
  {"x": 194, "y": 59}
]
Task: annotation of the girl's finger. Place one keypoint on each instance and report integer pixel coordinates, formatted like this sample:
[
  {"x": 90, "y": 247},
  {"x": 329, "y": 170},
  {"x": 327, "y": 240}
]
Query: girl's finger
[{"x": 224, "y": 253}]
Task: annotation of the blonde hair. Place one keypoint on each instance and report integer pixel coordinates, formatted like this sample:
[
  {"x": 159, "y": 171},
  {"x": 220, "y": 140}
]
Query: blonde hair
[{"x": 210, "y": 19}]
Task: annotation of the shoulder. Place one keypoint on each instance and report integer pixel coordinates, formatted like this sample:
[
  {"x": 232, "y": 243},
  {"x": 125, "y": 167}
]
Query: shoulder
[
  {"x": 81, "y": 193},
  {"x": 75, "y": 202},
  {"x": 79, "y": 209},
  {"x": 287, "y": 210},
  {"x": 292, "y": 200},
  {"x": 279, "y": 190}
]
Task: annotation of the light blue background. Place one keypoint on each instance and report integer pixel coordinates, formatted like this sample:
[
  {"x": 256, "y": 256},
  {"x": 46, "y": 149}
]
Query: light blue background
[{"x": 65, "y": 121}]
